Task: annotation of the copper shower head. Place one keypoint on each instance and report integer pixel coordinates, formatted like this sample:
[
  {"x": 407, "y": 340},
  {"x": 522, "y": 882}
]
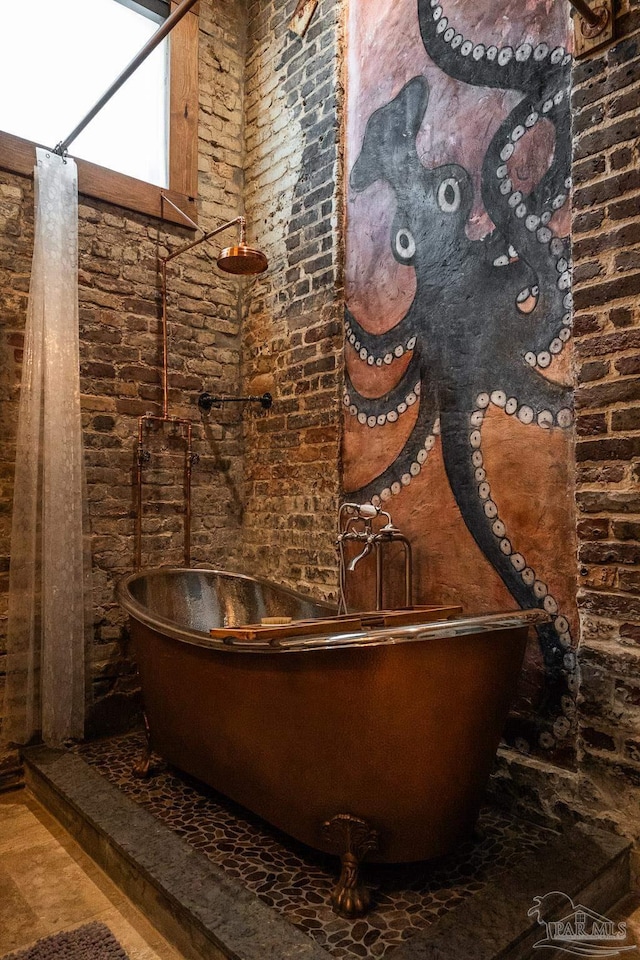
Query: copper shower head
[{"x": 242, "y": 260}]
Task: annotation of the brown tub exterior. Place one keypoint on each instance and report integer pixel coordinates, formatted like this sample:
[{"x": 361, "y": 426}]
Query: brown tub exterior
[{"x": 398, "y": 727}]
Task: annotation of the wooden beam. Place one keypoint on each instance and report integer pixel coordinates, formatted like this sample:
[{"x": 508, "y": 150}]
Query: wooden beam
[
  {"x": 183, "y": 106},
  {"x": 19, "y": 156}
]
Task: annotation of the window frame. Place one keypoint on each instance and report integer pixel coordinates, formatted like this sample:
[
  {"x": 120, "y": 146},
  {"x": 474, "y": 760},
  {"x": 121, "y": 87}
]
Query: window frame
[
  {"x": 157, "y": 10},
  {"x": 18, "y": 155}
]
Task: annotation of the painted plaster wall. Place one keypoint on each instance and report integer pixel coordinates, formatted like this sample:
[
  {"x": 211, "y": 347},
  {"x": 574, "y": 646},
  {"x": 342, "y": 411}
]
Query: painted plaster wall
[{"x": 459, "y": 392}]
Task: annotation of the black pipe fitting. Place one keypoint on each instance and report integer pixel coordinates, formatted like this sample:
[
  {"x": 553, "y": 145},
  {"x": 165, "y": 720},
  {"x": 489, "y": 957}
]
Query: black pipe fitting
[{"x": 206, "y": 401}]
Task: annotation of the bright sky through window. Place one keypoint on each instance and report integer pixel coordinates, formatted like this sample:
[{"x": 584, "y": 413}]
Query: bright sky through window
[{"x": 56, "y": 61}]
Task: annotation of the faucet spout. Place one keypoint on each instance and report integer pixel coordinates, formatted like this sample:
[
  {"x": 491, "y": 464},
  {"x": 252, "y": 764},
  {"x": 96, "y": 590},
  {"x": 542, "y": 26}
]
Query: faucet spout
[
  {"x": 363, "y": 553},
  {"x": 368, "y": 524}
]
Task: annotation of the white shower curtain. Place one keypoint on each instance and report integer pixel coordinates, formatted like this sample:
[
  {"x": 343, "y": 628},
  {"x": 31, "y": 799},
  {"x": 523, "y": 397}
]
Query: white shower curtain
[{"x": 49, "y": 575}]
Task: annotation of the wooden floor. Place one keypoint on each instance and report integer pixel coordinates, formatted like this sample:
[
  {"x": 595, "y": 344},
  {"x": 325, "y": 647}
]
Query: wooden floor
[{"x": 47, "y": 884}]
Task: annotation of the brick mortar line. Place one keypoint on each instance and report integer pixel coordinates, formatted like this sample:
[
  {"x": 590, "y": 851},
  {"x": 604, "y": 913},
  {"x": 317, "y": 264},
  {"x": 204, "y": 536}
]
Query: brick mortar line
[
  {"x": 608, "y": 96},
  {"x": 602, "y": 206},
  {"x": 609, "y": 271},
  {"x": 609, "y": 225},
  {"x": 600, "y": 177}
]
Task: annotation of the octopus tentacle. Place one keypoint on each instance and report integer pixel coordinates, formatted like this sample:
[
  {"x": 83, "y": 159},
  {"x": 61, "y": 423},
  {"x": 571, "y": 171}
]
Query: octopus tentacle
[
  {"x": 518, "y": 281},
  {"x": 547, "y": 344},
  {"x": 535, "y": 343},
  {"x": 548, "y": 296},
  {"x": 542, "y": 403},
  {"x": 414, "y": 454},
  {"x": 381, "y": 348},
  {"x": 389, "y": 407},
  {"x": 464, "y": 463},
  {"x": 550, "y": 193},
  {"x": 556, "y": 641},
  {"x": 524, "y": 67},
  {"x": 525, "y": 221}
]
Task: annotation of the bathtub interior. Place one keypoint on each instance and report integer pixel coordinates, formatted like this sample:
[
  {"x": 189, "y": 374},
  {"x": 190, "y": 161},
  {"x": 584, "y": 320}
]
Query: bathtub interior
[{"x": 205, "y": 599}]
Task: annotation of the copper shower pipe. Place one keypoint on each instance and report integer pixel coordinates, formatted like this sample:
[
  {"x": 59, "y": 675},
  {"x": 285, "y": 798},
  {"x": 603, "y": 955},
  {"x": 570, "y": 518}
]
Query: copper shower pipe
[
  {"x": 157, "y": 38},
  {"x": 143, "y": 457},
  {"x": 146, "y": 420},
  {"x": 256, "y": 261},
  {"x": 241, "y": 221},
  {"x": 163, "y": 274}
]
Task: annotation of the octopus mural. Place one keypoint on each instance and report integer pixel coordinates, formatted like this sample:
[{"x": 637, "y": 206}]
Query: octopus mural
[{"x": 488, "y": 316}]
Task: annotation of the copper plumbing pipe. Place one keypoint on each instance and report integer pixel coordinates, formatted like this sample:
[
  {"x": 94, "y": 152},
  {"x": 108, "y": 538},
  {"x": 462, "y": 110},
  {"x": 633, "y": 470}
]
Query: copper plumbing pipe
[
  {"x": 189, "y": 459},
  {"x": 143, "y": 457},
  {"x": 165, "y": 344},
  {"x": 163, "y": 288},
  {"x": 140, "y": 453},
  {"x": 242, "y": 250},
  {"x": 240, "y": 260},
  {"x": 194, "y": 243}
]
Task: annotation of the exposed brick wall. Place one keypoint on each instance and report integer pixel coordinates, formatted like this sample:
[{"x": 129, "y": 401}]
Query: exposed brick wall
[
  {"x": 606, "y": 249},
  {"x": 607, "y": 326},
  {"x": 120, "y": 352},
  {"x": 292, "y": 340}
]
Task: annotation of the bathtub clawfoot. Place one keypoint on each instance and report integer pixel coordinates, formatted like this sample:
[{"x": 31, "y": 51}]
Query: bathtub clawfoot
[
  {"x": 142, "y": 766},
  {"x": 354, "y": 838}
]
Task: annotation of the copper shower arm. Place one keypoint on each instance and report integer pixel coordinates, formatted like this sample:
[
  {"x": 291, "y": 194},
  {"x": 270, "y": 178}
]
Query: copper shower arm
[
  {"x": 240, "y": 260},
  {"x": 207, "y": 236},
  {"x": 241, "y": 221}
]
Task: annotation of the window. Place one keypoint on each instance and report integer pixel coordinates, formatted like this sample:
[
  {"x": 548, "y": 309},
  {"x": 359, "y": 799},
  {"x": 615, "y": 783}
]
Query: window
[{"x": 59, "y": 59}]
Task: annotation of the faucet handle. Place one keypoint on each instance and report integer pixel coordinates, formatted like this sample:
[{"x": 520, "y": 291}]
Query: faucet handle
[
  {"x": 350, "y": 513},
  {"x": 364, "y": 511}
]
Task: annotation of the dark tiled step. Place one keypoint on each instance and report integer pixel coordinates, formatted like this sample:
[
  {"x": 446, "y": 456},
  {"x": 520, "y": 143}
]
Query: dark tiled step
[
  {"x": 190, "y": 900},
  {"x": 589, "y": 866},
  {"x": 210, "y": 916}
]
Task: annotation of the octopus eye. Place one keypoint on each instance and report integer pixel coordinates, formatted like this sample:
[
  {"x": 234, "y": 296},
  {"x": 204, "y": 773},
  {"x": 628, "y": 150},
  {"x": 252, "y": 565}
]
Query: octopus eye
[
  {"x": 449, "y": 195},
  {"x": 405, "y": 244}
]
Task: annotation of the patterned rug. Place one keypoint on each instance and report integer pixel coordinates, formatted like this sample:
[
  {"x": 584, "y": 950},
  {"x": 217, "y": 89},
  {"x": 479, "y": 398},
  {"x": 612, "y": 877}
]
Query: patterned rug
[{"x": 93, "y": 941}]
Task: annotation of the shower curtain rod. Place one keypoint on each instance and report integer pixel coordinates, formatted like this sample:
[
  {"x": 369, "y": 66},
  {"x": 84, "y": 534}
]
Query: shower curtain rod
[
  {"x": 595, "y": 19},
  {"x": 139, "y": 58}
]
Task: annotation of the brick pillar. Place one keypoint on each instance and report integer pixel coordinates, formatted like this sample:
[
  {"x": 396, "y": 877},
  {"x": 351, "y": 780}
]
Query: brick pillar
[
  {"x": 292, "y": 332},
  {"x": 606, "y": 246}
]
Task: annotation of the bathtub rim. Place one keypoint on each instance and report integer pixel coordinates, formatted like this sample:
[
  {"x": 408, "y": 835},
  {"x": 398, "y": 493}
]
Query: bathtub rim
[{"x": 438, "y": 629}]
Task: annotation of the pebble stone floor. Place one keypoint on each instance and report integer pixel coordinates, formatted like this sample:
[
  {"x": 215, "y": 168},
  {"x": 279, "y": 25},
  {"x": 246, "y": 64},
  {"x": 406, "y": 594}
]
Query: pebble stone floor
[{"x": 297, "y": 881}]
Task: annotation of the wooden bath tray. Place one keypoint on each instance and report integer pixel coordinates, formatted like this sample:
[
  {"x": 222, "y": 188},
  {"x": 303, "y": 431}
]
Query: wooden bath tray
[{"x": 348, "y": 623}]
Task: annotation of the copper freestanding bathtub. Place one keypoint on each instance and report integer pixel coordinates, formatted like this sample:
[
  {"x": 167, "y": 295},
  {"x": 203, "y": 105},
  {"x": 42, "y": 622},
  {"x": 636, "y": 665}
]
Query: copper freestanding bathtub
[{"x": 375, "y": 741}]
